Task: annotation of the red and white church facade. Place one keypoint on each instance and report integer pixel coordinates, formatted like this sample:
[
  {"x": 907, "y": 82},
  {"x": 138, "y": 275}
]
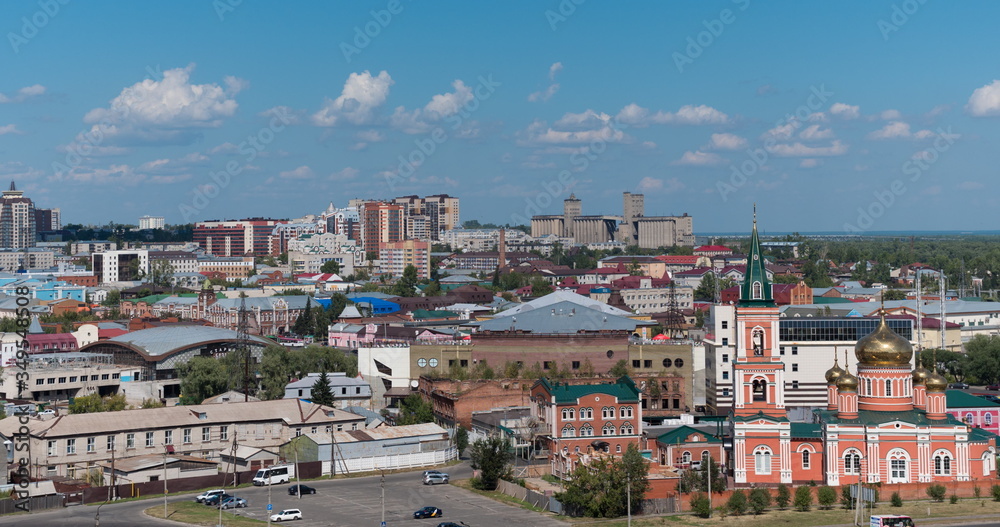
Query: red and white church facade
[{"x": 886, "y": 423}]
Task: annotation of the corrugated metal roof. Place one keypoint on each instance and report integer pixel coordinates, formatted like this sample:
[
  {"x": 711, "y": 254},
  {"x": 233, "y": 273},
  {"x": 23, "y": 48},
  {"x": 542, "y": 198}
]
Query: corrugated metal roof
[
  {"x": 563, "y": 296},
  {"x": 166, "y": 339}
]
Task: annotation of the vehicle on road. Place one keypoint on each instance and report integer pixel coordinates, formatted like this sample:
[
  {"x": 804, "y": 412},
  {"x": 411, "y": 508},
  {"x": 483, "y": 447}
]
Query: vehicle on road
[
  {"x": 287, "y": 514},
  {"x": 989, "y": 397},
  {"x": 891, "y": 520},
  {"x": 453, "y": 524},
  {"x": 212, "y": 501},
  {"x": 47, "y": 412},
  {"x": 435, "y": 479},
  {"x": 993, "y": 387},
  {"x": 208, "y": 494},
  {"x": 233, "y": 502},
  {"x": 428, "y": 512},
  {"x": 428, "y": 472},
  {"x": 295, "y": 490},
  {"x": 958, "y": 386},
  {"x": 274, "y": 475}
]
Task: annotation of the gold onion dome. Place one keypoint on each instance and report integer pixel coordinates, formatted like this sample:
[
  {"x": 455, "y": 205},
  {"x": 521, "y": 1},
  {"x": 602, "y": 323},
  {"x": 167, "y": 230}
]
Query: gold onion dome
[
  {"x": 920, "y": 376},
  {"x": 936, "y": 383},
  {"x": 847, "y": 382},
  {"x": 834, "y": 373},
  {"x": 883, "y": 347}
]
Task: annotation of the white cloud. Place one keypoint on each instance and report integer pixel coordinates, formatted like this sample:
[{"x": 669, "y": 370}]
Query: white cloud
[
  {"x": 225, "y": 149},
  {"x": 727, "y": 141},
  {"x": 651, "y": 184},
  {"x": 699, "y": 158},
  {"x": 636, "y": 115},
  {"x": 800, "y": 150},
  {"x": 845, "y": 111},
  {"x": 113, "y": 175},
  {"x": 18, "y": 171},
  {"x": 302, "y": 172},
  {"x": 440, "y": 106},
  {"x": 890, "y": 115},
  {"x": 347, "y": 173},
  {"x": 809, "y": 163},
  {"x": 781, "y": 132},
  {"x": 23, "y": 94},
  {"x": 547, "y": 93},
  {"x": 971, "y": 185},
  {"x": 9, "y": 129},
  {"x": 597, "y": 129},
  {"x": 175, "y": 166},
  {"x": 932, "y": 190},
  {"x": 287, "y": 114},
  {"x": 370, "y": 136},
  {"x": 985, "y": 101},
  {"x": 361, "y": 96},
  {"x": 556, "y": 67},
  {"x": 815, "y": 133},
  {"x": 586, "y": 120},
  {"x": 899, "y": 130}
]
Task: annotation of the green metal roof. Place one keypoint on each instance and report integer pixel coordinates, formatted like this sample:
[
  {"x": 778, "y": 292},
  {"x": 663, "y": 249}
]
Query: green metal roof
[
  {"x": 873, "y": 418},
  {"x": 979, "y": 435},
  {"x": 807, "y": 430},
  {"x": 681, "y": 433},
  {"x": 755, "y": 274},
  {"x": 624, "y": 389},
  {"x": 960, "y": 399},
  {"x": 831, "y": 300},
  {"x": 423, "y": 313}
]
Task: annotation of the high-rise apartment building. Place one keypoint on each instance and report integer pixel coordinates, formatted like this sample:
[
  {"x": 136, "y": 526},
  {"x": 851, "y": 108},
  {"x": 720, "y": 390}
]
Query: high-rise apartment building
[
  {"x": 120, "y": 266},
  {"x": 381, "y": 223},
  {"x": 47, "y": 220},
  {"x": 395, "y": 256},
  {"x": 151, "y": 222},
  {"x": 237, "y": 238},
  {"x": 440, "y": 213},
  {"x": 17, "y": 220}
]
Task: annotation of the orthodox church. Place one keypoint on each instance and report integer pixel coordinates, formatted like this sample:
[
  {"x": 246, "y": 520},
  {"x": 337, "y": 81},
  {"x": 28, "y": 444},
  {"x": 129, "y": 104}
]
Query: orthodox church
[{"x": 887, "y": 422}]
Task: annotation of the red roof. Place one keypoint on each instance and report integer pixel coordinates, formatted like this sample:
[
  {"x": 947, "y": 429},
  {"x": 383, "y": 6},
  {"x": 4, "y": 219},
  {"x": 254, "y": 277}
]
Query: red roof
[
  {"x": 318, "y": 277},
  {"x": 694, "y": 272},
  {"x": 109, "y": 333},
  {"x": 713, "y": 248},
  {"x": 678, "y": 259}
]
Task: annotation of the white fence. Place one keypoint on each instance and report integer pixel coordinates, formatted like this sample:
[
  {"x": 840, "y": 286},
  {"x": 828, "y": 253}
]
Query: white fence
[{"x": 372, "y": 464}]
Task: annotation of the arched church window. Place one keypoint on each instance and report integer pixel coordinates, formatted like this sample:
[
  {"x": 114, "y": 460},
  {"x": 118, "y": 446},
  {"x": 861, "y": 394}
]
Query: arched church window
[
  {"x": 888, "y": 388},
  {"x": 758, "y": 291}
]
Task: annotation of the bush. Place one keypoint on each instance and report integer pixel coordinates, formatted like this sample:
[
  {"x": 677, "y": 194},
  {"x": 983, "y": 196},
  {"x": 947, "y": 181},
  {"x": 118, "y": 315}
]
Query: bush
[
  {"x": 803, "y": 499},
  {"x": 897, "y": 500},
  {"x": 845, "y": 497},
  {"x": 737, "y": 503},
  {"x": 976, "y": 491},
  {"x": 995, "y": 492},
  {"x": 954, "y": 499},
  {"x": 760, "y": 499},
  {"x": 783, "y": 497},
  {"x": 700, "y": 504},
  {"x": 826, "y": 497},
  {"x": 937, "y": 492}
]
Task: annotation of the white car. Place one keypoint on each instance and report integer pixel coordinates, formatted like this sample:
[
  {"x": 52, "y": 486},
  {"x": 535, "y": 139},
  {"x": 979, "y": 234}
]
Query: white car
[
  {"x": 287, "y": 514},
  {"x": 208, "y": 494},
  {"x": 47, "y": 412}
]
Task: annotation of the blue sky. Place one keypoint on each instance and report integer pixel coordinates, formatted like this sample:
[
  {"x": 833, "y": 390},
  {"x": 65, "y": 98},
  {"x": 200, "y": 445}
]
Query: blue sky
[{"x": 202, "y": 110}]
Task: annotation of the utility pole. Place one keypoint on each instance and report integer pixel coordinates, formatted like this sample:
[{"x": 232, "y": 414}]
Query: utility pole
[
  {"x": 269, "y": 503},
  {"x": 708, "y": 474},
  {"x": 382, "y": 484},
  {"x": 298, "y": 479},
  {"x": 628, "y": 493},
  {"x": 164, "y": 482}
]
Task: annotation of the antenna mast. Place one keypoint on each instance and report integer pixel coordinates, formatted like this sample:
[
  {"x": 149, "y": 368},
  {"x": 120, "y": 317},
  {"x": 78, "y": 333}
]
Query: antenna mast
[
  {"x": 943, "y": 323},
  {"x": 920, "y": 319},
  {"x": 243, "y": 345}
]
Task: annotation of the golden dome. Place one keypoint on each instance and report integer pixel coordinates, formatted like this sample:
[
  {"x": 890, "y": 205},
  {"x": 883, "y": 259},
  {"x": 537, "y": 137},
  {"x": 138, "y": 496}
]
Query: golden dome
[
  {"x": 847, "y": 382},
  {"x": 920, "y": 376},
  {"x": 883, "y": 347},
  {"x": 834, "y": 373},
  {"x": 936, "y": 383}
]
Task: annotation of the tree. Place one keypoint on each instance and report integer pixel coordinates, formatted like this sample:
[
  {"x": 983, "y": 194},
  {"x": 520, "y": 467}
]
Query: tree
[
  {"x": 461, "y": 439},
  {"x": 203, "y": 377},
  {"x": 415, "y": 410},
  {"x": 897, "y": 500},
  {"x": 406, "y": 285},
  {"x": 634, "y": 269},
  {"x": 983, "y": 358},
  {"x": 737, "y": 503},
  {"x": 113, "y": 299},
  {"x": 330, "y": 267},
  {"x": 893, "y": 294},
  {"x": 540, "y": 287},
  {"x": 760, "y": 499},
  {"x": 937, "y": 492},
  {"x": 491, "y": 457},
  {"x": 783, "y": 496},
  {"x": 151, "y": 403},
  {"x": 338, "y": 301},
  {"x": 620, "y": 369},
  {"x": 803, "y": 498},
  {"x": 161, "y": 273},
  {"x": 304, "y": 323},
  {"x": 701, "y": 505},
  {"x": 95, "y": 403},
  {"x": 275, "y": 372},
  {"x": 321, "y": 392},
  {"x": 601, "y": 489},
  {"x": 826, "y": 497},
  {"x": 706, "y": 288}
]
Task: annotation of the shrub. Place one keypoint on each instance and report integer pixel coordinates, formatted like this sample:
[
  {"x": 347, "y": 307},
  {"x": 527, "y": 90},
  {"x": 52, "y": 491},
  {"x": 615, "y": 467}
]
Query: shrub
[
  {"x": 995, "y": 492},
  {"x": 700, "y": 504},
  {"x": 803, "y": 498},
  {"x": 826, "y": 497},
  {"x": 760, "y": 499},
  {"x": 897, "y": 500},
  {"x": 937, "y": 492},
  {"x": 976, "y": 491},
  {"x": 784, "y": 497},
  {"x": 737, "y": 503},
  {"x": 954, "y": 499},
  {"x": 845, "y": 496}
]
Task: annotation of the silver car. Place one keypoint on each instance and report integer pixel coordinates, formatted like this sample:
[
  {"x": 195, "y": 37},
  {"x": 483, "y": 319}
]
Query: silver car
[{"x": 436, "y": 478}]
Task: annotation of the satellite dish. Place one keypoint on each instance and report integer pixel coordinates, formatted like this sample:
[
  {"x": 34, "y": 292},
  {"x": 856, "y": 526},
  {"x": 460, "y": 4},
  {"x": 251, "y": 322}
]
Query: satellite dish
[{"x": 414, "y": 384}]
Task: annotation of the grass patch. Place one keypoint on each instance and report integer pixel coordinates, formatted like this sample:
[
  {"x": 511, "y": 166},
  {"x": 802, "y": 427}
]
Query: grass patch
[
  {"x": 198, "y": 514},
  {"x": 497, "y": 496}
]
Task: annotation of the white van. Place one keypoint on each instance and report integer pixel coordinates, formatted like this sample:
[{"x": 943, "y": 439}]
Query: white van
[{"x": 274, "y": 475}]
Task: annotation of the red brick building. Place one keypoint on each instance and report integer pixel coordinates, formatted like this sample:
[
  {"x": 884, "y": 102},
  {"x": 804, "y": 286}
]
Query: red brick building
[
  {"x": 454, "y": 401},
  {"x": 237, "y": 238}
]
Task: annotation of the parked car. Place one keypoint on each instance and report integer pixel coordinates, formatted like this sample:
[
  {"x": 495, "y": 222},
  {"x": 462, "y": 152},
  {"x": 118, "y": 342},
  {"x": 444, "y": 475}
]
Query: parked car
[
  {"x": 989, "y": 397},
  {"x": 287, "y": 514},
  {"x": 233, "y": 502},
  {"x": 47, "y": 412},
  {"x": 208, "y": 494},
  {"x": 958, "y": 386},
  {"x": 429, "y": 472},
  {"x": 453, "y": 524},
  {"x": 213, "y": 501},
  {"x": 435, "y": 479},
  {"x": 993, "y": 387},
  {"x": 295, "y": 490},
  {"x": 428, "y": 512}
]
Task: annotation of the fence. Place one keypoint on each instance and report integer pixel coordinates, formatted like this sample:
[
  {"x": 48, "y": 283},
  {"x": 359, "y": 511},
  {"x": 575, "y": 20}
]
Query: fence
[
  {"x": 514, "y": 490},
  {"x": 35, "y": 503},
  {"x": 392, "y": 462}
]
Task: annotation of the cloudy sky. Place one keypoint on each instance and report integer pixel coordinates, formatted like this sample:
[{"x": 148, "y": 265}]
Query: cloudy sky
[{"x": 831, "y": 117}]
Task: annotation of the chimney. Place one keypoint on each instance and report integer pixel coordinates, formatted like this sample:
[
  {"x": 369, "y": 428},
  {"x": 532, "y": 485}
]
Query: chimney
[{"x": 502, "y": 249}]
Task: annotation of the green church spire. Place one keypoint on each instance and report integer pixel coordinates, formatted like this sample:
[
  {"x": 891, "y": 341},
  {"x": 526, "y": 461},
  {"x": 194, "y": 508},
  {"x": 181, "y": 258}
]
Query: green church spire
[{"x": 756, "y": 288}]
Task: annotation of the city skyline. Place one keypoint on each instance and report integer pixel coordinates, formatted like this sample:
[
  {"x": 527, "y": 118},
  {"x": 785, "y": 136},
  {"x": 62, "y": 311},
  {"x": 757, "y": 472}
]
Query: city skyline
[{"x": 234, "y": 110}]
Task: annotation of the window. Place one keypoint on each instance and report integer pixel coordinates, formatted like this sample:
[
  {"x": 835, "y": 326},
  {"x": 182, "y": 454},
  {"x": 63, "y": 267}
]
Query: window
[
  {"x": 608, "y": 412},
  {"x": 608, "y": 430},
  {"x": 224, "y": 433},
  {"x": 576, "y": 365},
  {"x": 627, "y": 429},
  {"x": 868, "y": 386},
  {"x": 91, "y": 444},
  {"x": 586, "y": 413},
  {"x": 942, "y": 464},
  {"x": 725, "y": 392},
  {"x": 625, "y": 412},
  {"x": 149, "y": 439},
  {"x": 168, "y": 437},
  {"x": 795, "y": 350},
  {"x": 725, "y": 324},
  {"x": 71, "y": 446},
  {"x": 187, "y": 435},
  {"x": 647, "y": 364},
  {"x": 758, "y": 294},
  {"x": 206, "y": 433},
  {"x": 852, "y": 462},
  {"x": 568, "y": 431},
  {"x": 988, "y": 419},
  {"x": 795, "y": 385},
  {"x": 129, "y": 440},
  {"x": 586, "y": 431},
  {"x": 888, "y": 388},
  {"x": 667, "y": 363},
  {"x": 568, "y": 414},
  {"x": 686, "y": 457},
  {"x": 52, "y": 448},
  {"x": 970, "y": 419},
  {"x": 111, "y": 442},
  {"x": 762, "y": 460},
  {"x": 781, "y": 350},
  {"x": 678, "y": 363},
  {"x": 725, "y": 357},
  {"x": 636, "y": 363},
  {"x": 795, "y": 367},
  {"x": 547, "y": 365},
  {"x": 618, "y": 449},
  {"x": 725, "y": 341},
  {"x": 897, "y": 471}
]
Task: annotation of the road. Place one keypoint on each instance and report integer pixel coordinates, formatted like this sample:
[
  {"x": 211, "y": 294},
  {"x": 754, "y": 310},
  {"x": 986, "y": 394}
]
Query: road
[{"x": 348, "y": 502}]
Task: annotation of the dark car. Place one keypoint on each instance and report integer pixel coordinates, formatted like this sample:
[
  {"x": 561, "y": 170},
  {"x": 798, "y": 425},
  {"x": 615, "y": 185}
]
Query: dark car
[
  {"x": 958, "y": 386},
  {"x": 993, "y": 387},
  {"x": 989, "y": 397},
  {"x": 452, "y": 524},
  {"x": 295, "y": 490},
  {"x": 213, "y": 501},
  {"x": 428, "y": 512}
]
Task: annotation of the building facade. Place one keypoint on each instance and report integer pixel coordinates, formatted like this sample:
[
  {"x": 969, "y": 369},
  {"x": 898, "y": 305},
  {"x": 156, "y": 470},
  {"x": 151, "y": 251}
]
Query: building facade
[
  {"x": 236, "y": 238},
  {"x": 17, "y": 220},
  {"x": 151, "y": 222},
  {"x": 395, "y": 256}
]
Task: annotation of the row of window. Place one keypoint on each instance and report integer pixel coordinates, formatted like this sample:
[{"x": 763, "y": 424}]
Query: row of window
[
  {"x": 667, "y": 363},
  {"x": 608, "y": 412},
  {"x": 130, "y": 440},
  {"x": 588, "y": 431},
  {"x": 73, "y": 378}
]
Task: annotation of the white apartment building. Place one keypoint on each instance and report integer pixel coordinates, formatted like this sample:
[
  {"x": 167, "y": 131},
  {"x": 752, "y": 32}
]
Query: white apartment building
[
  {"x": 181, "y": 261},
  {"x": 120, "y": 266},
  {"x": 151, "y": 222}
]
